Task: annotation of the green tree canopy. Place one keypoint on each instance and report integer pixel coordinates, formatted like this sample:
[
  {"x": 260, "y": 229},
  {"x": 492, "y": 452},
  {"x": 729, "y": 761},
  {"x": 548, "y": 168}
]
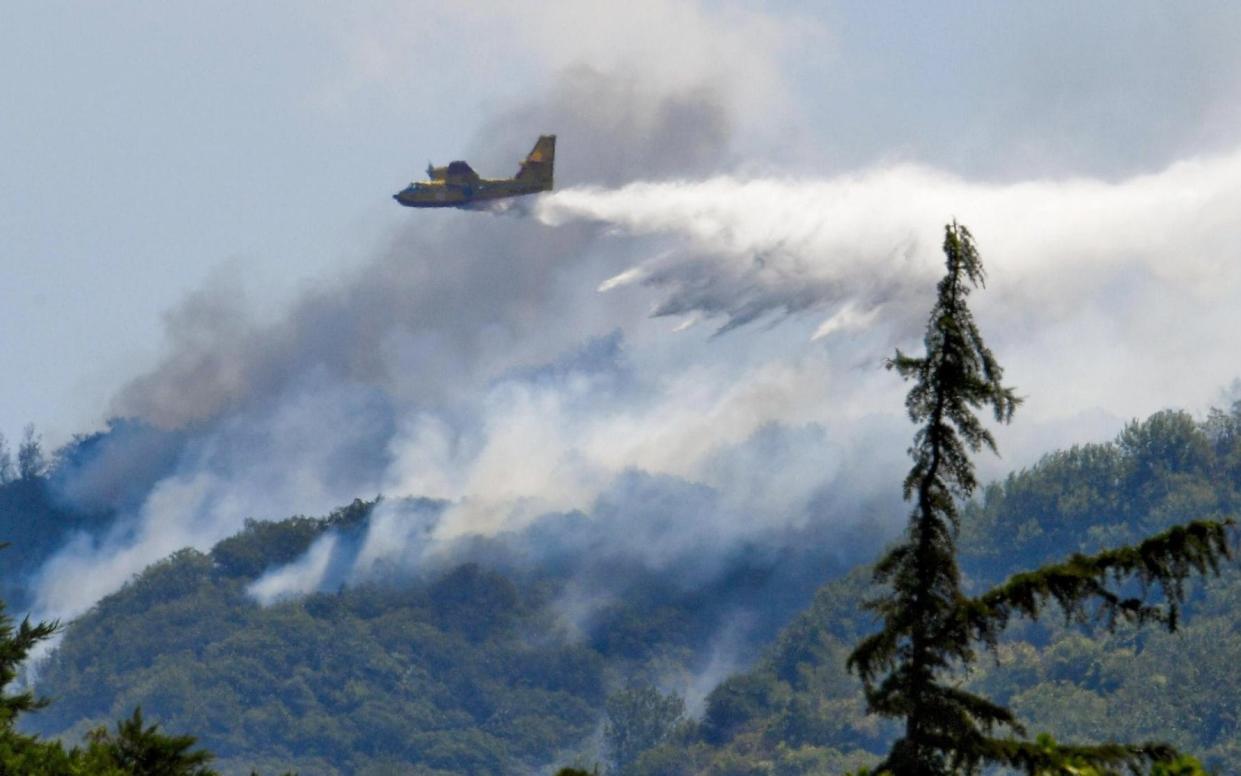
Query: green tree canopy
[
  {"x": 638, "y": 719},
  {"x": 16, "y": 641},
  {"x": 135, "y": 749},
  {"x": 141, "y": 749}
]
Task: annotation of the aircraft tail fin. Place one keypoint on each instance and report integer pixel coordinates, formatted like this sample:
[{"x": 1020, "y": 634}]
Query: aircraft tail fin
[{"x": 540, "y": 162}]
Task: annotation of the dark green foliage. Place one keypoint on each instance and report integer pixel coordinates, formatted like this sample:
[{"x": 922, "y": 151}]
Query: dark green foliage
[
  {"x": 32, "y": 518},
  {"x": 474, "y": 602},
  {"x": 460, "y": 673},
  {"x": 15, "y": 645},
  {"x": 638, "y": 719},
  {"x": 1096, "y": 496},
  {"x": 74, "y": 494},
  {"x": 134, "y": 750},
  {"x": 325, "y": 684},
  {"x": 734, "y": 703},
  {"x": 142, "y": 750},
  {"x": 457, "y": 669},
  {"x": 1164, "y": 560},
  {"x": 19, "y": 751},
  {"x": 801, "y": 712},
  {"x": 263, "y": 544},
  {"x": 930, "y": 626},
  {"x": 923, "y": 633}
]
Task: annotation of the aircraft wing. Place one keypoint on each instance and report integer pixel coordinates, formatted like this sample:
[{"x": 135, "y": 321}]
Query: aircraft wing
[{"x": 460, "y": 172}]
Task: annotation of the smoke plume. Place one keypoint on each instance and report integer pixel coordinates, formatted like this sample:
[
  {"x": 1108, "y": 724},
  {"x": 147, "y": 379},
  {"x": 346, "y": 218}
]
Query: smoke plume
[{"x": 521, "y": 372}]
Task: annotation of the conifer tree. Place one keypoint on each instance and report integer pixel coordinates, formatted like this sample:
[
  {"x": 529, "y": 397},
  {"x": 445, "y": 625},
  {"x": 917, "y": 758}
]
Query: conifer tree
[
  {"x": 20, "y": 753},
  {"x": 141, "y": 749},
  {"x": 15, "y": 645},
  {"x": 136, "y": 749},
  {"x": 931, "y": 628}
]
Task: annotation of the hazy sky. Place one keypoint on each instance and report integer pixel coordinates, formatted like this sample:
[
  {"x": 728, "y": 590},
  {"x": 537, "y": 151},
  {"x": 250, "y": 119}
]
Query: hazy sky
[
  {"x": 684, "y": 342},
  {"x": 148, "y": 147}
]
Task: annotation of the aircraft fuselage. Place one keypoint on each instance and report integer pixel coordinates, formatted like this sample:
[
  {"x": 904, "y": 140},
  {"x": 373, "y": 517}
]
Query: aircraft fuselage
[
  {"x": 457, "y": 185},
  {"x": 449, "y": 194}
]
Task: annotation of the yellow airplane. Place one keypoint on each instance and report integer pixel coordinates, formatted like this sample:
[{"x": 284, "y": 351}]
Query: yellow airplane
[{"x": 457, "y": 185}]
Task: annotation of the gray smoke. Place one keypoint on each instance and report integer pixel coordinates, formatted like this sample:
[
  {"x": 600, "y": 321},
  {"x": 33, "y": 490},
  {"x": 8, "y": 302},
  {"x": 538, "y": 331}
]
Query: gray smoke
[
  {"x": 411, "y": 374},
  {"x": 472, "y": 361},
  {"x": 447, "y": 304},
  {"x": 616, "y": 130}
]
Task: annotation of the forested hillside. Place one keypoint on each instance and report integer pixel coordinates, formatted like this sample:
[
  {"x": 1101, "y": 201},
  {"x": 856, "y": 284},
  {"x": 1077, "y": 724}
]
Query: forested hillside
[
  {"x": 75, "y": 493},
  {"x": 800, "y": 712},
  {"x": 477, "y": 668},
  {"x": 463, "y": 674},
  {"x": 482, "y": 666}
]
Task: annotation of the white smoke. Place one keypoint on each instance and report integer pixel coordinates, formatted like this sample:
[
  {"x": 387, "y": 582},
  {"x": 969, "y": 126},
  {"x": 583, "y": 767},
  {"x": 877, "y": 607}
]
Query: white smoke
[
  {"x": 1106, "y": 301},
  {"x": 724, "y": 458},
  {"x": 1142, "y": 274},
  {"x": 304, "y": 575},
  {"x": 750, "y": 248},
  {"x": 307, "y": 452}
]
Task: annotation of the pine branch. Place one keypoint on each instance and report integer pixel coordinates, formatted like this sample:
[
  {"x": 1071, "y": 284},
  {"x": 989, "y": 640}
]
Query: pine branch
[
  {"x": 874, "y": 654},
  {"x": 15, "y": 645},
  {"x": 1046, "y": 756},
  {"x": 1165, "y": 560}
]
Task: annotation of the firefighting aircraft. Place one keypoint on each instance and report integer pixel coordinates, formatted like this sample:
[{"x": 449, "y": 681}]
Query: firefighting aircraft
[{"x": 457, "y": 185}]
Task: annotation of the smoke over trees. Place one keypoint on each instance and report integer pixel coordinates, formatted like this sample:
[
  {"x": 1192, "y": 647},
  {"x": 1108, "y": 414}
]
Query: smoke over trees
[
  {"x": 134, "y": 749},
  {"x": 31, "y": 463},
  {"x": 638, "y": 719}
]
